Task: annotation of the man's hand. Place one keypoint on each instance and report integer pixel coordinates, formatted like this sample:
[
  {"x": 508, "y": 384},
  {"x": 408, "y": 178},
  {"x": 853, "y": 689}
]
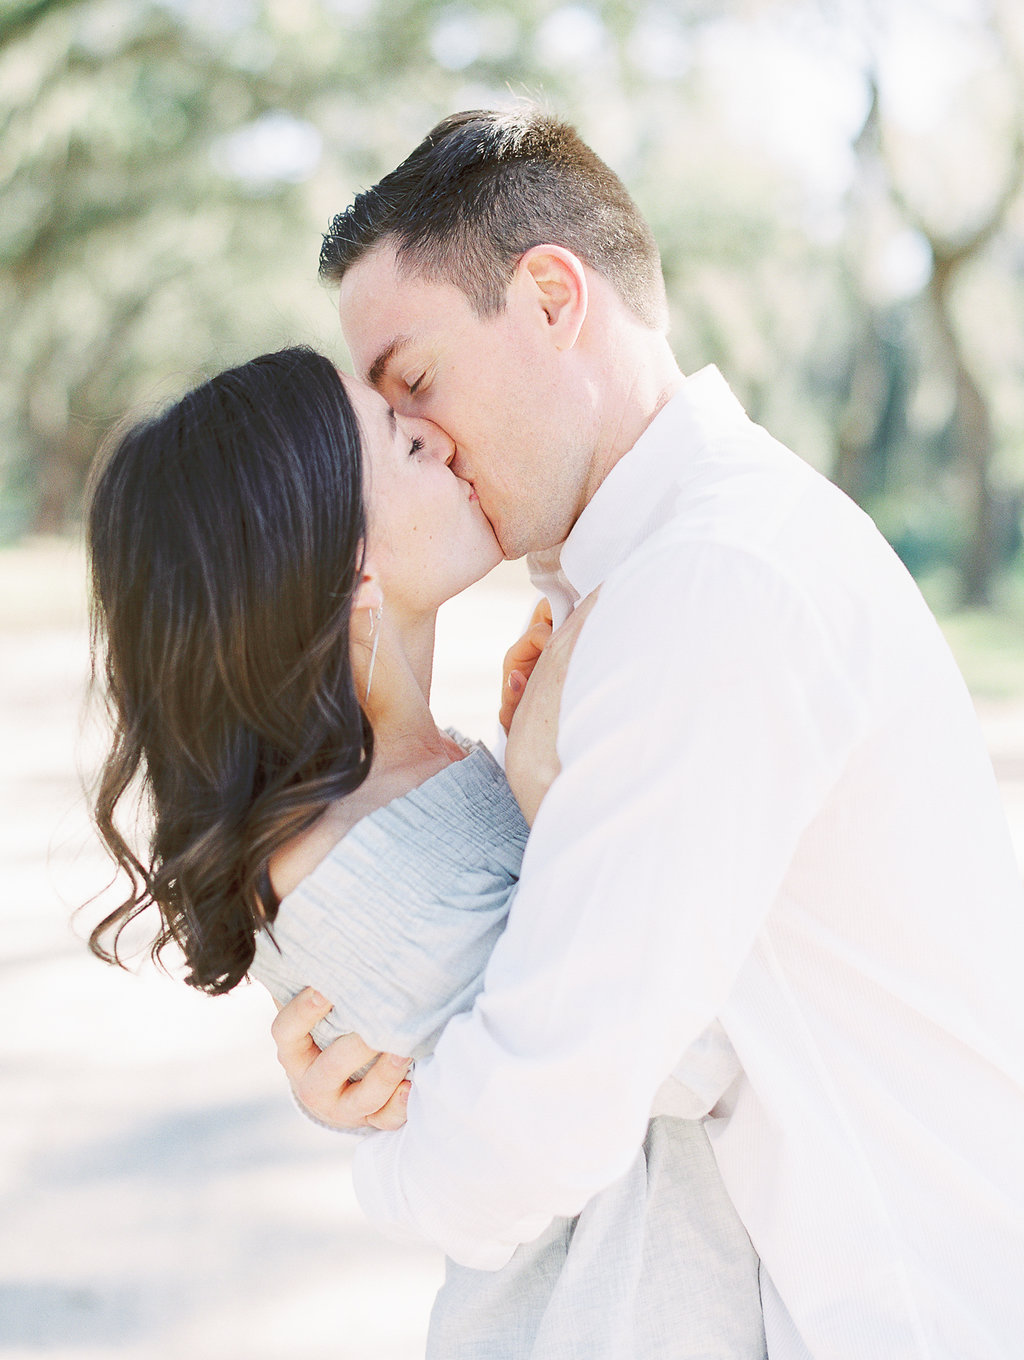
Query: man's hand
[
  {"x": 531, "y": 757},
  {"x": 520, "y": 660},
  {"x": 349, "y": 1085}
]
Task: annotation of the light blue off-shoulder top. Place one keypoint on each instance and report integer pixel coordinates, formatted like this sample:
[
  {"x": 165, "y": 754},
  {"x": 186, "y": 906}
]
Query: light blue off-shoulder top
[{"x": 396, "y": 924}]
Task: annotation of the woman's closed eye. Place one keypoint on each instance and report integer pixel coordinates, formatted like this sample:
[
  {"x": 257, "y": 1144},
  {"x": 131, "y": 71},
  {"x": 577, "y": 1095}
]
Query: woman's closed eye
[{"x": 417, "y": 445}]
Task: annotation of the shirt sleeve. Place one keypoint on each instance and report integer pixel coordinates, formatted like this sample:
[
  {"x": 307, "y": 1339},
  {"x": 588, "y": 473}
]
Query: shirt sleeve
[{"x": 705, "y": 717}]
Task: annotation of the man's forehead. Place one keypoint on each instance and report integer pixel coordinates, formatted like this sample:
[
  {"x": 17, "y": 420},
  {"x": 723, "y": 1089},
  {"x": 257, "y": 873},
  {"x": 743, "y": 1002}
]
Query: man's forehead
[
  {"x": 378, "y": 316},
  {"x": 387, "y": 309},
  {"x": 377, "y": 286}
]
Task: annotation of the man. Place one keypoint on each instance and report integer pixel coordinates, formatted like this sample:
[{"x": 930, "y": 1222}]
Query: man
[{"x": 773, "y": 881}]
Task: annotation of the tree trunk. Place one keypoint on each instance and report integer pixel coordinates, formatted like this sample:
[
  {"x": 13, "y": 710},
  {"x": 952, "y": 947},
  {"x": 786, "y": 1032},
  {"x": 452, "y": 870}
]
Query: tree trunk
[{"x": 974, "y": 443}]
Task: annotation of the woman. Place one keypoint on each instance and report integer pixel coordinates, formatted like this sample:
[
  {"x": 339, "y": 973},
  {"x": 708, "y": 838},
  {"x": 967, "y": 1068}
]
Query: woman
[{"x": 268, "y": 557}]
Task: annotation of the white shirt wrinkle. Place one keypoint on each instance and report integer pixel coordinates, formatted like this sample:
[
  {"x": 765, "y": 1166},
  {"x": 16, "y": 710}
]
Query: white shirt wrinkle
[{"x": 793, "y": 893}]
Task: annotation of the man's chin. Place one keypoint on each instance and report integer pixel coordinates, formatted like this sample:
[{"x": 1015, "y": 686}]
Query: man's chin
[
  {"x": 511, "y": 548},
  {"x": 516, "y": 540},
  {"x": 511, "y": 552}
]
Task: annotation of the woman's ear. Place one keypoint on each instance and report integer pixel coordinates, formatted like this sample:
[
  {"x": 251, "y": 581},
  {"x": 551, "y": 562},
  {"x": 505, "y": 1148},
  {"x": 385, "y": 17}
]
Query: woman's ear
[
  {"x": 553, "y": 283},
  {"x": 367, "y": 594}
]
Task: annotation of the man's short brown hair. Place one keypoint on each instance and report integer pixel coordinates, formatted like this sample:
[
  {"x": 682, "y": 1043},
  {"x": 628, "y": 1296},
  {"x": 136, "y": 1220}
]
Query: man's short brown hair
[{"x": 480, "y": 190}]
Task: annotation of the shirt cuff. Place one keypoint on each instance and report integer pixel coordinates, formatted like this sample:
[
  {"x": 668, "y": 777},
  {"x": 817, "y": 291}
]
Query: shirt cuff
[{"x": 376, "y": 1179}]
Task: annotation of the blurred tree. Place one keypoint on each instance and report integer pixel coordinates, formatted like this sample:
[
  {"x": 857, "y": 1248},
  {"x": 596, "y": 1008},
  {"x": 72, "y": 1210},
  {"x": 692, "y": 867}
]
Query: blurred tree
[
  {"x": 21, "y": 19},
  {"x": 167, "y": 166},
  {"x": 948, "y": 186},
  {"x": 127, "y": 229}
]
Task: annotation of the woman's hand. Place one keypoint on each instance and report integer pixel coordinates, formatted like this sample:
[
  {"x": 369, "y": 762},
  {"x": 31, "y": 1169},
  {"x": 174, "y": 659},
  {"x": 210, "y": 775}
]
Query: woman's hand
[
  {"x": 531, "y": 757},
  {"x": 349, "y": 1085},
  {"x": 520, "y": 660}
]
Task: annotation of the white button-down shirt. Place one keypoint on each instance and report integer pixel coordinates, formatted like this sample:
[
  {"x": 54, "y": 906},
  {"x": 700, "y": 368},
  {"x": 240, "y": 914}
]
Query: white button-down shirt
[{"x": 775, "y": 869}]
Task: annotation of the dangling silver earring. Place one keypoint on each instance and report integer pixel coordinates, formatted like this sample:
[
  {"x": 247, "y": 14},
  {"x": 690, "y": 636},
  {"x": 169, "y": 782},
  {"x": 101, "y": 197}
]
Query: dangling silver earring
[{"x": 375, "y": 618}]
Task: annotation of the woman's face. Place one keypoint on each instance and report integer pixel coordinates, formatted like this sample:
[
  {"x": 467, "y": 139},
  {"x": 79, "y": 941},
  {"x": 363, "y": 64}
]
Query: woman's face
[{"x": 427, "y": 537}]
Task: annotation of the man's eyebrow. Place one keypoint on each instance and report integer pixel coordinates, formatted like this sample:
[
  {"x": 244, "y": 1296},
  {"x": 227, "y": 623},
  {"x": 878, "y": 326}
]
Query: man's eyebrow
[{"x": 379, "y": 366}]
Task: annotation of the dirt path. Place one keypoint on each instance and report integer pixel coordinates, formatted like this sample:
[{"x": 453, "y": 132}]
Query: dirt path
[{"x": 159, "y": 1196}]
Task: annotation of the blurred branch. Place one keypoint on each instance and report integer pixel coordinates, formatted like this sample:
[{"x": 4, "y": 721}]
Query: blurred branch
[
  {"x": 15, "y": 24},
  {"x": 950, "y": 253}
]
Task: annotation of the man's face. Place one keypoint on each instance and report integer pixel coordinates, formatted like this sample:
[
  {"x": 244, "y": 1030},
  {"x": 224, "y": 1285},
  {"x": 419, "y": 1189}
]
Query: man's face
[{"x": 494, "y": 384}]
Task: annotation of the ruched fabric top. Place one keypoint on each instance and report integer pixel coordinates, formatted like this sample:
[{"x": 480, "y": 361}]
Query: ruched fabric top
[{"x": 396, "y": 924}]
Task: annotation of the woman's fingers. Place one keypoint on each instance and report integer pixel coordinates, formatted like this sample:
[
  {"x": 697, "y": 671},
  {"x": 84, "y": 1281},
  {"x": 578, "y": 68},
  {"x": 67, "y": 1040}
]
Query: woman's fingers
[
  {"x": 523, "y": 654},
  {"x": 349, "y": 1085},
  {"x": 520, "y": 660},
  {"x": 291, "y": 1031},
  {"x": 511, "y": 693},
  {"x": 393, "y": 1114},
  {"x": 531, "y": 756},
  {"x": 347, "y": 1096},
  {"x": 525, "y": 650}
]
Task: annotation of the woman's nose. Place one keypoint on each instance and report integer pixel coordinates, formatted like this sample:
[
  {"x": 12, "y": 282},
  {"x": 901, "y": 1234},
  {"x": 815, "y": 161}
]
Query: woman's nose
[
  {"x": 438, "y": 442},
  {"x": 445, "y": 446}
]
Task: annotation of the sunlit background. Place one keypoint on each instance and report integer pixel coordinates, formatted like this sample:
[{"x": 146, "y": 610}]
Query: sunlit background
[{"x": 837, "y": 190}]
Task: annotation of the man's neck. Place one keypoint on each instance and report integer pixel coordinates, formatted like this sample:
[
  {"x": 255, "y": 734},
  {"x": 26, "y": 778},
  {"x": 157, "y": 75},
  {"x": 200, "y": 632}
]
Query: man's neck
[{"x": 636, "y": 393}]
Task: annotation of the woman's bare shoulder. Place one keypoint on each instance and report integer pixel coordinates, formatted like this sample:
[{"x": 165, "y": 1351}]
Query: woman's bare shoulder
[{"x": 298, "y": 857}]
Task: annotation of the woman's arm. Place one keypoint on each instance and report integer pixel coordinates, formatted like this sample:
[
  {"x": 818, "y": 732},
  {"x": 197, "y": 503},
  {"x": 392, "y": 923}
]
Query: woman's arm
[{"x": 323, "y": 1081}]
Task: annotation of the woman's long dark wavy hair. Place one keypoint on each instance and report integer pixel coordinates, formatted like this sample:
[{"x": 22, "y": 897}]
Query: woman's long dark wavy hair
[{"x": 225, "y": 541}]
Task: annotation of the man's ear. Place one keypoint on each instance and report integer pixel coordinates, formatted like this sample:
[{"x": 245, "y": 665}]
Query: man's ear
[{"x": 554, "y": 280}]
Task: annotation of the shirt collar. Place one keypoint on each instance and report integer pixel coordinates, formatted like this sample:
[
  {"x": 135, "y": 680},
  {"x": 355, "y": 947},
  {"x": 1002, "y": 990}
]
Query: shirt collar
[{"x": 629, "y": 503}]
